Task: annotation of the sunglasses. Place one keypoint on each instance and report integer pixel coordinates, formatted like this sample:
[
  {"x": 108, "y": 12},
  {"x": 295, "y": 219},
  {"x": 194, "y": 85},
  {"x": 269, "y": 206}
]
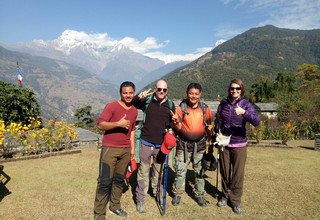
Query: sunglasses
[
  {"x": 161, "y": 89},
  {"x": 235, "y": 88}
]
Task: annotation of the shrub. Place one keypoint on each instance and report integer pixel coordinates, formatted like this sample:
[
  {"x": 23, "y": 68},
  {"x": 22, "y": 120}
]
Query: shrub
[
  {"x": 287, "y": 132},
  {"x": 35, "y": 139},
  {"x": 259, "y": 131},
  {"x": 18, "y": 104}
]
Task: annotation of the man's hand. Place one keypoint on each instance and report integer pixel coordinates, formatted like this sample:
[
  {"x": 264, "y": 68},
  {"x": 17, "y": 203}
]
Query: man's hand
[
  {"x": 174, "y": 117},
  {"x": 145, "y": 94},
  {"x": 133, "y": 154},
  {"x": 123, "y": 122}
]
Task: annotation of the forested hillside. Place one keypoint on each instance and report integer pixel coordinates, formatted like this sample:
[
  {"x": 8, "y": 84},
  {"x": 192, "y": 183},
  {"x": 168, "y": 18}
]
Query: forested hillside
[{"x": 263, "y": 51}]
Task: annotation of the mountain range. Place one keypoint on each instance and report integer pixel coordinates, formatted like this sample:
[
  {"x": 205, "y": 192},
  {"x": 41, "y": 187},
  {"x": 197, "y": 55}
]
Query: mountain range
[
  {"x": 72, "y": 71},
  {"x": 69, "y": 73},
  {"x": 60, "y": 87},
  {"x": 115, "y": 63},
  {"x": 259, "y": 52}
]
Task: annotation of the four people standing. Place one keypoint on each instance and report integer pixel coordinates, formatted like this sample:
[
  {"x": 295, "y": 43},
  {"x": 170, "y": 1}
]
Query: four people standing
[{"x": 192, "y": 123}]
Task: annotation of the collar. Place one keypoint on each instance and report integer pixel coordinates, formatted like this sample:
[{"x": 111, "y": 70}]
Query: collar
[
  {"x": 236, "y": 101},
  {"x": 163, "y": 101},
  {"x": 188, "y": 104}
]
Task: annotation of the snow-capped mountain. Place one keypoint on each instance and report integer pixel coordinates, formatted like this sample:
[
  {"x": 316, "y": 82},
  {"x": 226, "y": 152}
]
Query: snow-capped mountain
[{"x": 109, "y": 59}]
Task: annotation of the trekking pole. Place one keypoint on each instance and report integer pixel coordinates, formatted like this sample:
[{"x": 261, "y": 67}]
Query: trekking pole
[
  {"x": 165, "y": 179},
  {"x": 217, "y": 178},
  {"x": 158, "y": 195}
]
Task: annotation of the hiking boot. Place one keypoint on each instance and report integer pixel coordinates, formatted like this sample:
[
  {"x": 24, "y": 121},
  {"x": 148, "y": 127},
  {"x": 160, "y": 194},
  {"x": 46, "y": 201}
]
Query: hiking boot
[
  {"x": 154, "y": 194},
  {"x": 176, "y": 200},
  {"x": 119, "y": 212},
  {"x": 236, "y": 209},
  {"x": 222, "y": 202},
  {"x": 141, "y": 208},
  {"x": 201, "y": 201}
]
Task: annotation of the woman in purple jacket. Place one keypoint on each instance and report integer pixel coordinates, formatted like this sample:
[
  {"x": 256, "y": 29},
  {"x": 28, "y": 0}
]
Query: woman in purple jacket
[{"x": 231, "y": 118}]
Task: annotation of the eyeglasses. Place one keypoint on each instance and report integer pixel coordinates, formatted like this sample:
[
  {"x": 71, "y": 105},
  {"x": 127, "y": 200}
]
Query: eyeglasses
[
  {"x": 235, "y": 88},
  {"x": 161, "y": 89}
]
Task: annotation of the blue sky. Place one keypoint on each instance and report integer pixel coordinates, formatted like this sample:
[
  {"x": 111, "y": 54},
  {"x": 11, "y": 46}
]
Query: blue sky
[{"x": 163, "y": 27}]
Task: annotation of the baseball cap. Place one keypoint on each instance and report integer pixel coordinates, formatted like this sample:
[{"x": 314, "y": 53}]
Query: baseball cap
[
  {"x": 132, "y": 166},
  {"x": 169, "y": 142}
]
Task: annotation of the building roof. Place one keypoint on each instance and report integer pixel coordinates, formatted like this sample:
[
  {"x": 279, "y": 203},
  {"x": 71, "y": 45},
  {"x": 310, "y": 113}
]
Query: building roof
[{"x": 260, "y": 107}]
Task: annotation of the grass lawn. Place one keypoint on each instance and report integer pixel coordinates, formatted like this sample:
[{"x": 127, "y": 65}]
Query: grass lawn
[{"x": 280, "y": 183}]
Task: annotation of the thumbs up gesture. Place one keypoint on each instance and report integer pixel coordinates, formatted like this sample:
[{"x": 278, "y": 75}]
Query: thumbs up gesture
[
  {"x": 239, "y": 110},
  {"x": 123, "y": 122}
]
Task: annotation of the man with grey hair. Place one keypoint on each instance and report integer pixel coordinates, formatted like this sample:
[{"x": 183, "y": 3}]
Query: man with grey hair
[{"x": 157, "y": 109}]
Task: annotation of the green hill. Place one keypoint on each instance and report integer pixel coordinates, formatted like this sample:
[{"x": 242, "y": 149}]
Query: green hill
[{"x": 263, "y": 51}]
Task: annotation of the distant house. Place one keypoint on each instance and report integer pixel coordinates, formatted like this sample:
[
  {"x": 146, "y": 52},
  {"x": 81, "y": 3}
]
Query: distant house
[{"x": 268, "y": 109}]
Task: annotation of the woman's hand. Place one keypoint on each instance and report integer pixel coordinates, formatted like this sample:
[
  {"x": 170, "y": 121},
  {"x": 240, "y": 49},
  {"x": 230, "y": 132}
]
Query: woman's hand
[{"x": 239, "y": 110}]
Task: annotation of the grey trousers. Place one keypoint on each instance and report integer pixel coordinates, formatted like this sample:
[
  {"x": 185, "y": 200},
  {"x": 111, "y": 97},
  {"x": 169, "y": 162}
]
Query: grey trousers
[{"x": 148, "y": 154}]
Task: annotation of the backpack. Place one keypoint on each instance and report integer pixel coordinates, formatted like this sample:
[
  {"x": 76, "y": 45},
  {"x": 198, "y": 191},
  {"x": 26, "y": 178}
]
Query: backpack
[
  {"x": 203, "y": 106},
  {"x": 139, "y": 129}
]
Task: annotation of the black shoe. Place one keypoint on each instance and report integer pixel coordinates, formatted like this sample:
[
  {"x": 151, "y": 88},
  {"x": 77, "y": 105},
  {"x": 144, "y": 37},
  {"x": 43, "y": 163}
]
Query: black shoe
[
  {"x": 176, "y": 200},
  {"x": 236, "y": 209},
  {"x": 119, "y": 212},
  {"x": 222, "y": 202},
  {"x": 201, "y": 201}
]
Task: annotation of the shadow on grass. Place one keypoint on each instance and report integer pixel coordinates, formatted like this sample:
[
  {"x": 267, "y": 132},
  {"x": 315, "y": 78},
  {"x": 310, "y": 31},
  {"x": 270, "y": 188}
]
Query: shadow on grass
[
  {"x": 209, "y": 188},
  {"x": 190, "y": 181},
  {"x": 5, "y": 178},
  {"x": 308, "y": 148}
]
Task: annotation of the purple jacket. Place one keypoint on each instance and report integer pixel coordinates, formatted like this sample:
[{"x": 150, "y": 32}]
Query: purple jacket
[{"x": 231, "y": 124}]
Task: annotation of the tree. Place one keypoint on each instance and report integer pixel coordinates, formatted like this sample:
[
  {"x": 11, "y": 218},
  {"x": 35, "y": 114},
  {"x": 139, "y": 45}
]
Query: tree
[
  {"x": 298, "y": 96},
  {"x": 18, "y": 104},
  {"x": 261, "y": 91},
  {"x": 308, "y": 72},
  {"x": 299, "y": 99},
  {"x": 285, "y": 82},
  {"x": 84, "y": 117}
]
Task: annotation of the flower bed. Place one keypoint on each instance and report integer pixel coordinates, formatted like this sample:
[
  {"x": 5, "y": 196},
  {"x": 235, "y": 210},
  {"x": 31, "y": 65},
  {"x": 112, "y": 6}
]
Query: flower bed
[{"x": 36, "y": 138}]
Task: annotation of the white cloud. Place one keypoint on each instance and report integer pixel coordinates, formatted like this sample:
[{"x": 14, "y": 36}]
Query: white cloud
[
  {"x": 150, "y": 43},
  {"x": 297, "y": 15},
  {"x": 293, "y": 14},
  {"x": 75, "y": 37},
  {"x": 218, "y": 42},
  {"x": 148, "y": 47},
  {"x": 228, "y": 32},
  {"x": 169, "y": 58},
  {"x": 203, "y": 50}
]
